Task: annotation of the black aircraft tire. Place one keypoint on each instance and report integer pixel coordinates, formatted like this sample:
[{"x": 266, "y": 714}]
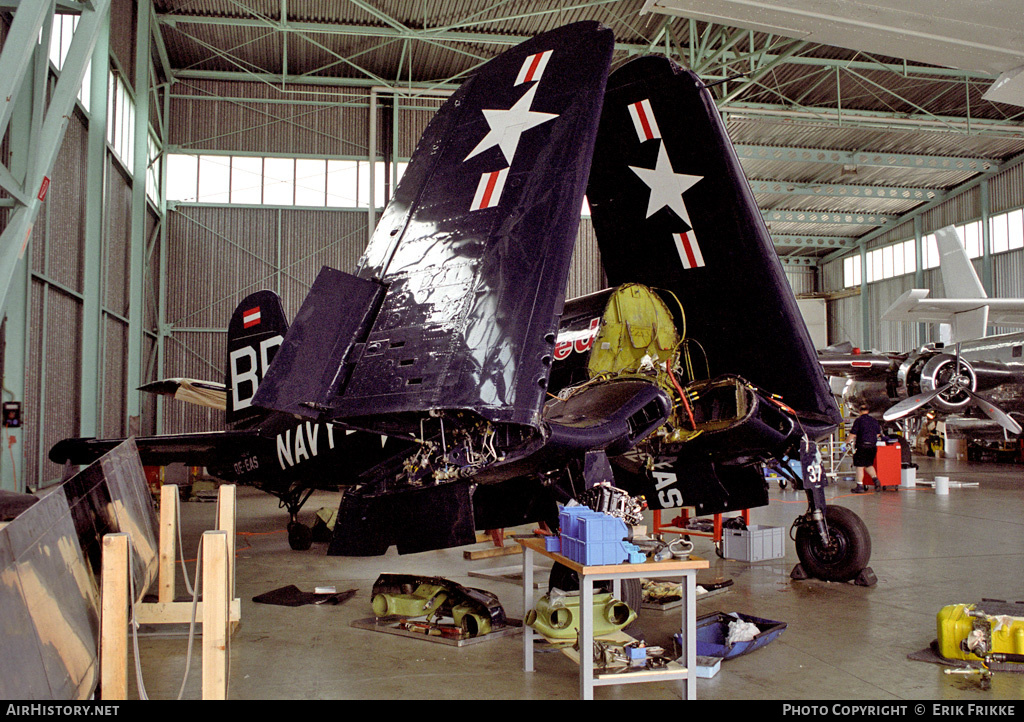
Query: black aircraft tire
[
  {"x": 849, "y": 554},
  {"x": 300, "y": 536},
  {"x": 564, "y": 578}
]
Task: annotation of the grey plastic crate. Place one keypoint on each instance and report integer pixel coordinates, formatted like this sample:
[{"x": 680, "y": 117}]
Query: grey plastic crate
[{"x": 754, "y": 544}]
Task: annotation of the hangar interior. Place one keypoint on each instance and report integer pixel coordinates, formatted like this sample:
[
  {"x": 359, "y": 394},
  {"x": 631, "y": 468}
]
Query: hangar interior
[{"x": 163, "y": 159}]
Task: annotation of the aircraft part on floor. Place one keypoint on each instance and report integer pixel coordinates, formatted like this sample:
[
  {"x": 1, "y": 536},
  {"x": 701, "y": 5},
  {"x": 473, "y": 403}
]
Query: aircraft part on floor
[{"x": 474, "y": 611}]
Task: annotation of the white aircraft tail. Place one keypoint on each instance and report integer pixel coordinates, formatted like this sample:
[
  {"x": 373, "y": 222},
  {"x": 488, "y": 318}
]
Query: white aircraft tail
[{"x": 967, "y": 309}]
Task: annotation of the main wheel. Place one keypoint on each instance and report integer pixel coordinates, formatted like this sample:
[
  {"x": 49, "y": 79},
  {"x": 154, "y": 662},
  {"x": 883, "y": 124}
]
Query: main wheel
[
  {"x": 564, "y": 578},
  {"x": 300, "y": 536},
  {"x": 845, "y": 557}
]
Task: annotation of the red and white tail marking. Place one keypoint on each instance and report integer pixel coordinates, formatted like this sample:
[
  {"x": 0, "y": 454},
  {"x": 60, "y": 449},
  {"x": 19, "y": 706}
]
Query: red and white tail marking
[
  {"x": 689, "y": 250},
  {"x": 488, "y": 191},
  {"x": 643, "y": 120},
  {"x": 533, "y": 67},
  {"x": 251, "y": 317}
]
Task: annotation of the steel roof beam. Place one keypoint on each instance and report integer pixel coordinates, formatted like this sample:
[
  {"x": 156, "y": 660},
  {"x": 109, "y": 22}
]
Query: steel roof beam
[
  {"x": 825, "y": 242},
  {"x": 838, "y": 218},
  {"x": 791, "y": 154},
  {"x": 50, "y": 135},
  {"x": 838, "y": 190}
]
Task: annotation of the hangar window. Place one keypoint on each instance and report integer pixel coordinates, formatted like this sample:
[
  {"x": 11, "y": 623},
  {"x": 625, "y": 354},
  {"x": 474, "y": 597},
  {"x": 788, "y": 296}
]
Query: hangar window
[
  {"x": 61, "y": 32},
  {"x": 970, "y": 236},
  {"x": 851, "y": 271},
  {"x": 120, "y": 119},
  {"x": 1007, "y": 231},
  {"x": 275, "y": 181}
]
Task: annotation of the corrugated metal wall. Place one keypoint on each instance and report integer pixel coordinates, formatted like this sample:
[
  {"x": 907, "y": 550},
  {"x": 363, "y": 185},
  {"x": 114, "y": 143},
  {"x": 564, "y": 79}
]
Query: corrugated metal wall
[
  {"x": 1005, "y": 192},
  {"x": 53, "y": 370},
  {"x": 56, "y": 391}
]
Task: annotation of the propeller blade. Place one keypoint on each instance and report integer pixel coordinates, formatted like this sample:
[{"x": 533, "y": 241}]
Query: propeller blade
[
  {"x": 913, "y": 403},
  {"x": 995, "y": 413}
]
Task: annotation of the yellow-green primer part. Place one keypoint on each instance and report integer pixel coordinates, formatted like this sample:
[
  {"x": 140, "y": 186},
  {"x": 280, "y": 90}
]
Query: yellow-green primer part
[
  {"x": 636, "y": 323},
  {"x": 423, "y": 601}
]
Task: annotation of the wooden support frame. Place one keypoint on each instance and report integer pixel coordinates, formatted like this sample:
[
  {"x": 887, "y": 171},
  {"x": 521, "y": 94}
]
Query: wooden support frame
[
  {"x": 219, "y": 612},
  {"x": 114, "y": 600},
  {"x": 166, "y": 610},
  {"x": 216, "y": 633}
]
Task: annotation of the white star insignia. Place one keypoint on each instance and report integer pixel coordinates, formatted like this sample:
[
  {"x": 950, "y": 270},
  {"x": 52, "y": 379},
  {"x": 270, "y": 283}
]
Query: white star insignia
[
  {"x": 667, "y": 186},
  {"x": 508, "y": 125}
]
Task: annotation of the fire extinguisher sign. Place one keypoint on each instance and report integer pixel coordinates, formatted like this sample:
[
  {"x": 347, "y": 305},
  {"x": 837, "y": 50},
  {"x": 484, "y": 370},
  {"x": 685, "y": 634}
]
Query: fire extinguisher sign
[{"x": 43, "y": 187}]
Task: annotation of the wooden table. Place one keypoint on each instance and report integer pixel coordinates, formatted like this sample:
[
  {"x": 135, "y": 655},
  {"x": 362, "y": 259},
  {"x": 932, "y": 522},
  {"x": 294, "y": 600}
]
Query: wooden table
[{"x": 685, "y": 569}]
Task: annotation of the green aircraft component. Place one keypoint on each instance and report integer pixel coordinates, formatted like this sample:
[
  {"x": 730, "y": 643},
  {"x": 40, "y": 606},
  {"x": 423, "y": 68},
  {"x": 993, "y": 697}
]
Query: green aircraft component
[
  {"x": 423, "y": 601},
  {"x": 561, "y": 619}
]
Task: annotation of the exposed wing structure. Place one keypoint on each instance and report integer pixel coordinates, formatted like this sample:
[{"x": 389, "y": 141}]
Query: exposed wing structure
[{"x": 455, "y": 302}]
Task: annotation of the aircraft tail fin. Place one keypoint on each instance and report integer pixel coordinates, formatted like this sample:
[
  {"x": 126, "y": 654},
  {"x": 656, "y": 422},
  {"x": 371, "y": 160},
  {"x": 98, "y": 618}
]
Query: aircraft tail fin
[
  {"x": 255, "y": 333},
  {"x": 964, "y": 310},
  {"x": 958, "y": 275}
]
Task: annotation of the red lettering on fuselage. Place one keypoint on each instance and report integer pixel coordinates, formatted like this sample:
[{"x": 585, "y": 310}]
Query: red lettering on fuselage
[{"x": 578, "y": 341}]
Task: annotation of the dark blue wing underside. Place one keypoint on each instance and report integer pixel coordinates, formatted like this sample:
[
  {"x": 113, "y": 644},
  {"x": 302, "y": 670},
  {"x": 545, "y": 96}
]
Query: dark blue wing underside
[{"x": 673, "y": 210}]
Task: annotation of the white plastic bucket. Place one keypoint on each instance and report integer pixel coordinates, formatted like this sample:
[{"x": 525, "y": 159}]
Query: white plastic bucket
[{"x": 942, "y": 485}]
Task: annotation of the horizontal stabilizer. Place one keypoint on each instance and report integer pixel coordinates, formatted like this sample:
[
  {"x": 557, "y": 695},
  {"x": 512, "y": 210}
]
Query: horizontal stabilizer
[
  {"x": 193, "y": 391},
  {"x": 198, "y": 449},
  {"x": 969, "y": 317},
  {"x": 310, "y": 368}
]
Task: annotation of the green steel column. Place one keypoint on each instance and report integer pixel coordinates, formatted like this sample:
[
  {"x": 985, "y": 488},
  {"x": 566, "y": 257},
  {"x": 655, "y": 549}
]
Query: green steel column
[
  {"x": 16, "y": 313},
  {"x": 922, "y": 328},
  {"x": 91, "y": 400},
  {"x": 865, "y": 307},
  {"x": 136, "y": 308},
  {"x": 161, "y": 300},
  {"x": 987, "y": 280}
]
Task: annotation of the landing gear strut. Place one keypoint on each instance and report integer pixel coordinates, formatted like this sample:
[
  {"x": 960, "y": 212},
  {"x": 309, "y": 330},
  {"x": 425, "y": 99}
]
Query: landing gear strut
[
  {"x": 300, "y": 536},
  {"x": 832, "y": 542}
]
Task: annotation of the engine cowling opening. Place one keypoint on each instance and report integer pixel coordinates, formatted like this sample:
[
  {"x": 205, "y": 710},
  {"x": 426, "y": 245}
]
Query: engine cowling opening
[{"x": 941, "y": 370}]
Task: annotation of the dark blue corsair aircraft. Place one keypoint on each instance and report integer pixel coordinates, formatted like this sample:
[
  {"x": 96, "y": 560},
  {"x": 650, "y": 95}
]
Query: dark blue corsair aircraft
[{"x": 500, "y": 398}]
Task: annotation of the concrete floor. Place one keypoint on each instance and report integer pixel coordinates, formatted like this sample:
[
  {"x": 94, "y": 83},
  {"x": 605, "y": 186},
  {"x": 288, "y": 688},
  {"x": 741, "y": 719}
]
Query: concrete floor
[{"x": 843, "y": 642}]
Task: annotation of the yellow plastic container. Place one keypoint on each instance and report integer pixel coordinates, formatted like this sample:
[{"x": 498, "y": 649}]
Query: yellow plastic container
[{"x": 1005, "y": 626}]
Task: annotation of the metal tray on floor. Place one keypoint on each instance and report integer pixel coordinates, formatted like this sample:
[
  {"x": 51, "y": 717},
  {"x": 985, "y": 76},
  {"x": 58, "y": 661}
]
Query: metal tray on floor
[{"x": 391, "y": 627}]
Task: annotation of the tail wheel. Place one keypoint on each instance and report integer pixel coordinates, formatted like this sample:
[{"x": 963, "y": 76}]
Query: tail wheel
[{"x": 846, "y": 555}]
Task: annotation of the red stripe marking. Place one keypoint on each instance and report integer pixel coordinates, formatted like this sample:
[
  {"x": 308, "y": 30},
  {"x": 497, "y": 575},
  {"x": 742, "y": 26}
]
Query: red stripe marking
[
  {"x": 685, "y": 237},
  {"x": 485, "y": 202},
  {"x": 248, "y": 317},
  {"x": 643, "y": 120},
  {"x": 533, "y": 68}
]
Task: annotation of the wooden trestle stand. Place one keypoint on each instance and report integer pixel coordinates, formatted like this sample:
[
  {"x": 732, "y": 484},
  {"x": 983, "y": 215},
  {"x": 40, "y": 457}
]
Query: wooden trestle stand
[{"x": 219, "y": 612}]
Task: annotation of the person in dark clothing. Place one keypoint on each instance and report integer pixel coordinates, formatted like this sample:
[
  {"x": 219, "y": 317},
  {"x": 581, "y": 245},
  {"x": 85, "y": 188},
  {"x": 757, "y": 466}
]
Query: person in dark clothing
[{"x": 865, "y": 432}]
